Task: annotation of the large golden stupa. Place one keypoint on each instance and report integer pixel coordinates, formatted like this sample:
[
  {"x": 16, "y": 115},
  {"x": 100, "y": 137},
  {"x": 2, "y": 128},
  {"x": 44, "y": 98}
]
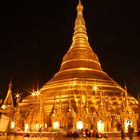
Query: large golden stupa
[{"x": 80, "y": 90}]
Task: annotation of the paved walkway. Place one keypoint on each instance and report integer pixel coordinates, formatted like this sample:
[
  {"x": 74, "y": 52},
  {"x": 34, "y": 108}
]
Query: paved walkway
[{"x": 60, "y": 138}]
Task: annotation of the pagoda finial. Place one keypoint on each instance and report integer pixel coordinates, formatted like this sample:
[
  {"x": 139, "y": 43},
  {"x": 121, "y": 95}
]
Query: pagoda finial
[
  {"x": 8, "y": 102},
  {"x": 126, "y": 96},
  {"x": 10, "y": 84},
  {"x": 79, "y": 8},
  {"x": 80, "y": 37},
  {"x": 80, "y": 19}
]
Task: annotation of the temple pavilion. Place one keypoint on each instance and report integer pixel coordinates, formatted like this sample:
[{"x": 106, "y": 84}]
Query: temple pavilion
[{"x": 80, "y": 95}]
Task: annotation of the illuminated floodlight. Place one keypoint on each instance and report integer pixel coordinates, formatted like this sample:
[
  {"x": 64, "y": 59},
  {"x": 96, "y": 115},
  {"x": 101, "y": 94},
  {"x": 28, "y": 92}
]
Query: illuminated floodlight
[
  {"x": 17, "y": 95},
  {"x": 80, "y": 125},
  {"x": 33, "y": 94},
  {"x": 3, "y": 107},
  {"x": 37, "y": 93},
  {"x": 56, "y": 125},
  {"x": 95, "y": 88}
]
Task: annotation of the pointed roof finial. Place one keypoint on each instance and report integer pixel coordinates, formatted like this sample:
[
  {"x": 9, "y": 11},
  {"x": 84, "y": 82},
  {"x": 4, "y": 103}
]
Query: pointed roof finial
[
  {"x": 10, "y": 84},
  {"x": 126, "y": 95},
  {"x": 101, "y": 99},
  {"x": 80, "y": 38},
  {"x": 80, "y": 19},
  {"x": 8, "y": 102},
  {"x": 125, "y": 87},
  {"x": 79, "y": 8}
]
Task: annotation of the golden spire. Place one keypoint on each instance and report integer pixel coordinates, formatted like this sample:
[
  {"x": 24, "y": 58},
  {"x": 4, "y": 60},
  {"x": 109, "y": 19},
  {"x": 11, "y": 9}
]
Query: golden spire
[
  {"x": 10, "y": 85},
  {"x": 80, "y": 8},
  {"x": 53, "y": 110},
  {"x": 101, "y": 100},
  {"x": 80, "y": 52},
  {"x": 126, "y": 96},
  {"x": 8, "y": 102},
  {"x": 80, "y": 38}
]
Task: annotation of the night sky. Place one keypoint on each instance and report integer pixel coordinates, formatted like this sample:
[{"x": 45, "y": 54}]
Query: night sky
[{"x": 35, "y": 36}]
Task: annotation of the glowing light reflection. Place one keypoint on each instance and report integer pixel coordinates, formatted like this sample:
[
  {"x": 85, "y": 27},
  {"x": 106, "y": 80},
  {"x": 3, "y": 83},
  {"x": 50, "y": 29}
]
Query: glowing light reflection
[
  {"x": 56, "y": 125},
  {"x": 80, "y": 125},
  {"x": 26, "y": 127},
  {"x": 12, "y": 125}
]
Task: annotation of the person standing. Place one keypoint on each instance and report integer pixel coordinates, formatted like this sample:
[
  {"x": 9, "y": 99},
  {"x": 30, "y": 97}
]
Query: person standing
[
  {"x": 130, "y": 132},
  {"x": 122, "y": 133}
]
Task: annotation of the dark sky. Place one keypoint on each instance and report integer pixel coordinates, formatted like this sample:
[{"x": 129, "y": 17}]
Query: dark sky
[{"x": 35, "y": 36}]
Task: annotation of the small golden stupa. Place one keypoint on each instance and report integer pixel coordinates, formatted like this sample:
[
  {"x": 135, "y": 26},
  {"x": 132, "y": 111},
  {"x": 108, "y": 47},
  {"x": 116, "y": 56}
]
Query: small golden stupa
[
  {"x": 81, "y": 90},
  {"x": 6, "y": 110}
]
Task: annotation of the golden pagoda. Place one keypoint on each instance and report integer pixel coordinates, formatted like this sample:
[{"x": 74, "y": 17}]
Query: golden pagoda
[
  {"x": 6, "y": 110},
  {"x": 8, "y": 102},
  {"x": 81, "y": 92}
]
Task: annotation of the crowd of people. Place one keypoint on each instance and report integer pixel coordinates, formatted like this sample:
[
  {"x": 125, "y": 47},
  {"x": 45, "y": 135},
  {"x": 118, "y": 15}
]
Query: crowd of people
[
  {"x": 86, "y": 133},
  {"x": 129, "y": 134},
  {"x": 95, "y": 133}
]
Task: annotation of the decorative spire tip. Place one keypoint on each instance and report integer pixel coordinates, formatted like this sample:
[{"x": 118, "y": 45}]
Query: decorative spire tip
[{"x": 79, "y": 8}]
